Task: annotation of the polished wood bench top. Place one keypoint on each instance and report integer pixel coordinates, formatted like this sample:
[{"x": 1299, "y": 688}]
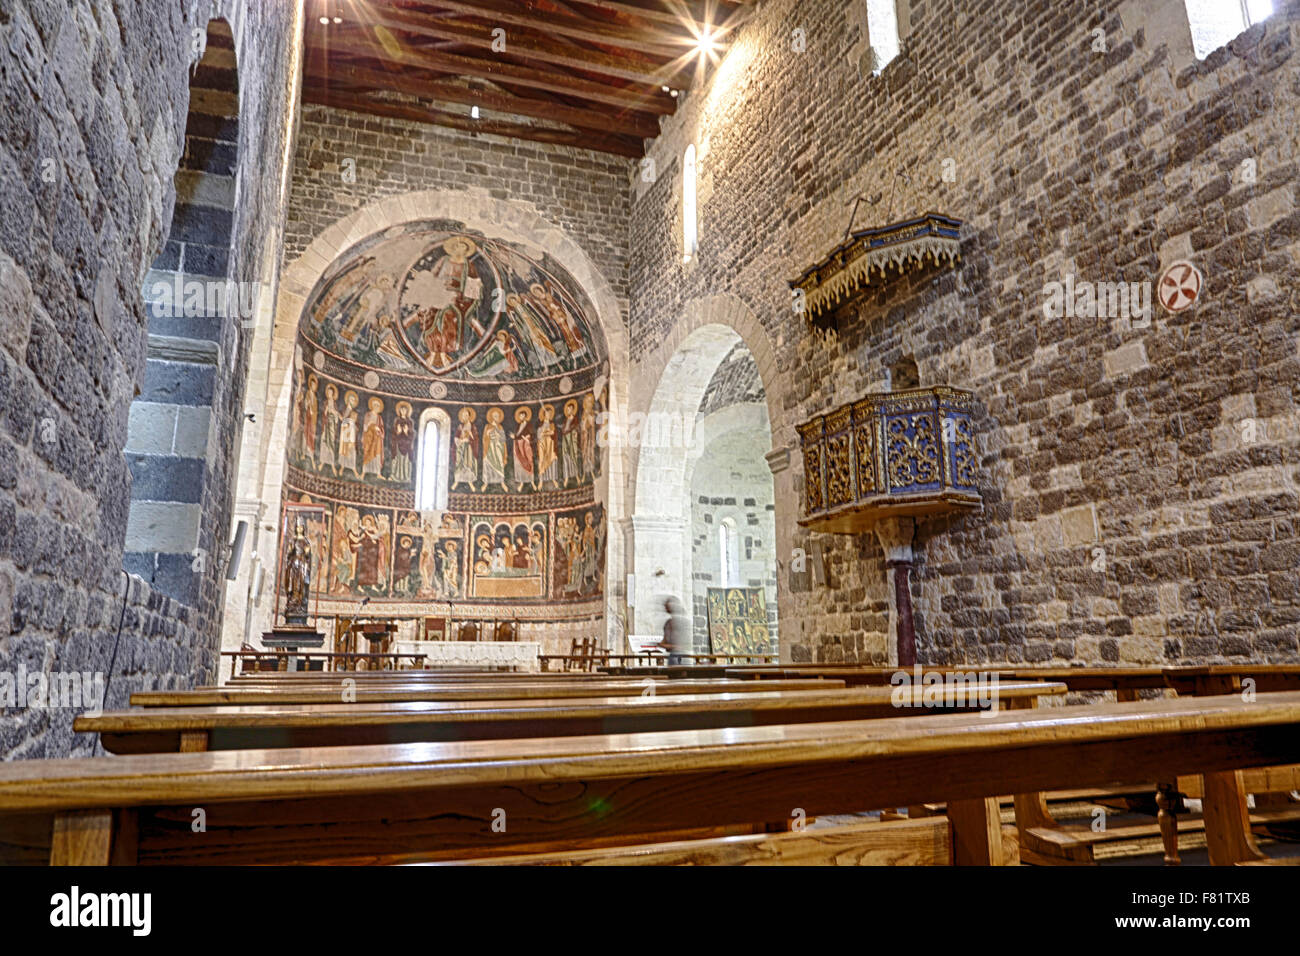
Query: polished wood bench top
[
  {"x": 1078, "y": 678},
  {"x": 157, "y": 730},
  {"x": 448, "y": 691},
  {"x": 1139, "y": 738},
  {"x": 377, "y": 678},
  {"x": 1186, "y": 679},
  {"x": 440, "y": 801}
]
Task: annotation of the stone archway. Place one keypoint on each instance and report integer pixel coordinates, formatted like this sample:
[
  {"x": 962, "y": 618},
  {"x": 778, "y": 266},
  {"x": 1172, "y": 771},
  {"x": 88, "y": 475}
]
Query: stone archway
[
  {"x": 670, "y": 384},
  {"x": 262, "y": 476}
]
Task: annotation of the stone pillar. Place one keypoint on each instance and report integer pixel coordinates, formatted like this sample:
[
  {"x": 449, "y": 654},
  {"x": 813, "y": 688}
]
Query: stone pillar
[
  {"x": 660, "y": 543},
  {"x": 895, "y": 535},
  {"x": 787, "y": 509}
]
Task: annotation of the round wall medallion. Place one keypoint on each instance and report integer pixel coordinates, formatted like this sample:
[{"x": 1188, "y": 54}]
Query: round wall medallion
[
  {"x": 506, "y": 392},
  {"x": 1180, "y": 285},
  {"x": 437, "y": 390},
  {"x": 371, "y": 379},
  {"x": 318, "y": 360},
  {"x": 566, "y": 385}
]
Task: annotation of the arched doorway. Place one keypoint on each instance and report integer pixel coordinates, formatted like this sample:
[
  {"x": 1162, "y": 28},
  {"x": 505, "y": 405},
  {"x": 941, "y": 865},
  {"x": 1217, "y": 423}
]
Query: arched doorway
[{"x": 705, "y": 519}]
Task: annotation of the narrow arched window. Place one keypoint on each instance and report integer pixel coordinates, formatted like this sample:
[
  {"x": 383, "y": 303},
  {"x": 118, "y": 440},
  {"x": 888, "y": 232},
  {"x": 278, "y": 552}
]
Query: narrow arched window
[
  {"x": 431, "y": 462},
  {"x": 882, "y": 33},
  {"x": 728, "y": 559},
  {"x": 690, "y": 213},
  {"x": 1216, "y": 22}
]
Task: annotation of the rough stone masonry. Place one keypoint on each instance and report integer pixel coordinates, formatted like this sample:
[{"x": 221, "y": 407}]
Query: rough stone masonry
[
  {"x": 97, "y": 96},
  {"x": 1139, "y": 484}
]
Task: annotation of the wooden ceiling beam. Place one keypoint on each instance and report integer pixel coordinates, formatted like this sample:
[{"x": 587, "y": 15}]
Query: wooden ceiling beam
[
  {"x": 657, "y": 42},
  {"x": 673, "y": 13},
  {"x": 534, "y": 46},
  {"x": 498, "y": 70},
  {"x": 579, "y": 139},
  {"x": 639, "y": 125}
]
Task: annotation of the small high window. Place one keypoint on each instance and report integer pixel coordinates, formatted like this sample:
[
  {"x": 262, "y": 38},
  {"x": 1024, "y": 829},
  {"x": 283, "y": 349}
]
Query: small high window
[
  {"x": 690, "y": 214},
  {"x": 434, "y": 442},
  {"x": 1216, "y": 22},
  {"x": 728, "y": 559},
  {"x": 882, "y": 33}
]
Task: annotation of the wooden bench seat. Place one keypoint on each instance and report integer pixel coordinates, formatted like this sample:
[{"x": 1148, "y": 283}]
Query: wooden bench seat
[
  {"x": 404, "y": 802},
  {"x": 925, "y": 842},
  {"x": 334, "y": 691},
  {"x": 158, "y": 730}
]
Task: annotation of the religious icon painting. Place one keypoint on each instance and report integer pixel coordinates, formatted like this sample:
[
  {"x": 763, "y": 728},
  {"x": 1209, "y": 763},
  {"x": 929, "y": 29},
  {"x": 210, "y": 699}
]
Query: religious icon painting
[
  {"x": 303, "y": 560},
  {"x": 738, "y": 621},
  {"x": 447, "y": 299},
  {"x": 508, "y": 556},
  {"x": 361, "y": 552},
  {"x": 578, "y": 569}
]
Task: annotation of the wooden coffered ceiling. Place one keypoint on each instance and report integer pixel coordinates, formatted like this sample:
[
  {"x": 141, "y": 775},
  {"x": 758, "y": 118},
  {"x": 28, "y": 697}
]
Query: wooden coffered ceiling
[{"x": 595, "y": 74}]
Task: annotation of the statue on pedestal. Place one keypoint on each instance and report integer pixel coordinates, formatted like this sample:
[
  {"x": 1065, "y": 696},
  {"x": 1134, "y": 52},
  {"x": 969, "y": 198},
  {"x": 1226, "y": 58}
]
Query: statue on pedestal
[{"x": 297, "y": 576}]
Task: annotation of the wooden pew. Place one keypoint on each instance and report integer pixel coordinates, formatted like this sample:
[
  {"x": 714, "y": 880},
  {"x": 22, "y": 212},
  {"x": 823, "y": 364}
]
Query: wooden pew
[
  {"x": 925, "y": 842},
  {"x": 1043, "y": 839},
  {"x": 158, "y": 730},
  {"x": 388, "y": 693},
  {"x": 304, "y": 679},
  {"x": 431, "y": 801}
]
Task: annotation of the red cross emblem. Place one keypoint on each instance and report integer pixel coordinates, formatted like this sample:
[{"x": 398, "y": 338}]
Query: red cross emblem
[{"x": 1180, "y": 284}]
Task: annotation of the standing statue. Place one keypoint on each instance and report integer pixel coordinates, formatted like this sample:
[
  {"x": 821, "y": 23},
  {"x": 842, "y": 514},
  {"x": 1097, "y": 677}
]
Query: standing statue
[{"x": 297, "y": 576}]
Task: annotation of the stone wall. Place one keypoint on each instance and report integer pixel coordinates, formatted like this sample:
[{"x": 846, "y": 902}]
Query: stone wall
[
  {"x": 1139, "y": 479},
  {"x": 95, "y": 103}
]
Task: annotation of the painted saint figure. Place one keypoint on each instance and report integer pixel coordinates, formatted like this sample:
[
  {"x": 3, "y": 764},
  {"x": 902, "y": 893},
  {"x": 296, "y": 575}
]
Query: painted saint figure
[
  {"x": 494, "y": 450},
  {"x": 547, "y": 454},
  {"x": 310, "y": 412},
  {"x": 372, "y": 440},
  {"x": 348, "y": 434},
  {"x": 329, "y": 431},
  {"x": 587, "y": 435},
  {"x": 403, "y": 564},
  {"x": 466, "y": 450},
  {"x": 524, "y": 314},
  {"x": 403, "y": 444},
  {"x": 459, "y": 287},
  {"x": 569, "y": 449},
  {"x": 451, "y": 569},
  {"x": 523, "y": 448},
  {"x": 371, "y": 548}
]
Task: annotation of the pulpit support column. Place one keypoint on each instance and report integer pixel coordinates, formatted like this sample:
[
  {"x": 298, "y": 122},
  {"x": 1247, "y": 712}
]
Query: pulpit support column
[{"x": 895, "y": 535}]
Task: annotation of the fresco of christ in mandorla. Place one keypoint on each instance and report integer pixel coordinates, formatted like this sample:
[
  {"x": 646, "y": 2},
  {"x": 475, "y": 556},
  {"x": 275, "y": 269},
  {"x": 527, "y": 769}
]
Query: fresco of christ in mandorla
[{"x": 445, "y": 301}]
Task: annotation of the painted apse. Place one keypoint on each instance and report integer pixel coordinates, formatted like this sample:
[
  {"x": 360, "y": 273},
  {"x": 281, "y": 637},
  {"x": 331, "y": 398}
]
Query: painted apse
[{"x": 431, "y": 321}]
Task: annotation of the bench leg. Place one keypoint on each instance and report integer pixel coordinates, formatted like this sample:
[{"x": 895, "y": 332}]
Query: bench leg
[
  {"x": 1227, "y": 821},
  {"x": 976, "y": 832},
  {"x": 82, "y": 838},
  {"x": 194, "y": 741},
  {"x": 1169, "y": 802}
]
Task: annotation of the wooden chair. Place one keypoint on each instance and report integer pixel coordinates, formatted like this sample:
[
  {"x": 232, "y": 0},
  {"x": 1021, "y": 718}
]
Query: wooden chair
[
  {"x": 504, "y": 631},
  {"x": 468, "y": 631}
]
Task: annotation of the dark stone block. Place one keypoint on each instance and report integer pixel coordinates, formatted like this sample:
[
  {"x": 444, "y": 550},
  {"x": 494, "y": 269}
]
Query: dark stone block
[
  {"x": 166, "y": 478},
  {"x": 178, "y": 383},
  {"x": 200, "y": 224}
]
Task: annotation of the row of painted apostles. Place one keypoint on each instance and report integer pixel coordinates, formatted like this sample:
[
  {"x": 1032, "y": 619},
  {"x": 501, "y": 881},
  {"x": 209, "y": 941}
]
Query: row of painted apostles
[{"x": 535, "y": 456}]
